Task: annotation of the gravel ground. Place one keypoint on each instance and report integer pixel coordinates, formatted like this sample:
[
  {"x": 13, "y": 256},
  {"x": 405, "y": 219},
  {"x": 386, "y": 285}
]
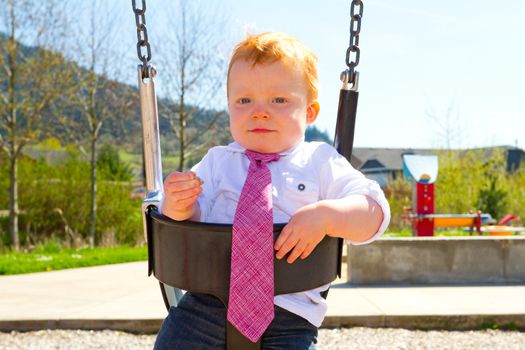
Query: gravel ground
[{"x": 329, "y": 339}]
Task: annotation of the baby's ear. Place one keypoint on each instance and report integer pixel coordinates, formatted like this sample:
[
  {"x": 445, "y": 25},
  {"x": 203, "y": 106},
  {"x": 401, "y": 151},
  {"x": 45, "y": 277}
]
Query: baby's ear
[{"x": 312, "y": 111}]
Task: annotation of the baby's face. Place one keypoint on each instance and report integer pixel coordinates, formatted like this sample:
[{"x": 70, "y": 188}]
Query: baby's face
[{"x": 268, "y": 106}]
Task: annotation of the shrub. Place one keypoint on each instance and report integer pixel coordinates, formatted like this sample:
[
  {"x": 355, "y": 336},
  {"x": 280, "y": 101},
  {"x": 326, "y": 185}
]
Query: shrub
[
  {"x": 399, "y": 195},
  {"x": 516, "y": 194},
  {"x": 55, "y": 202},
  {"x": 492, "y": 198},
  {"x": 458, "y": 182},
  {"x": 111, "y": 167}
]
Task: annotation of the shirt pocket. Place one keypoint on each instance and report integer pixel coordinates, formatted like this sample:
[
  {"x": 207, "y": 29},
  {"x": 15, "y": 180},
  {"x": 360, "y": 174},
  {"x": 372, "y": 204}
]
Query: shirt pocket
[{"x": 300, "y": 192}]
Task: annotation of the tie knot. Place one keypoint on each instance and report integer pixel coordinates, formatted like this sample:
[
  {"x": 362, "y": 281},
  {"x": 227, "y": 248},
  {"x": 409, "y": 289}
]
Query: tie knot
[{"x": 262, "y": 157}]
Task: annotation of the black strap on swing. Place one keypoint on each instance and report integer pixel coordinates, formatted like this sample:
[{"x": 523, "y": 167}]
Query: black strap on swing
[
  {"x": 349, "y": 95},
  {"x": 196, "y": 256}
]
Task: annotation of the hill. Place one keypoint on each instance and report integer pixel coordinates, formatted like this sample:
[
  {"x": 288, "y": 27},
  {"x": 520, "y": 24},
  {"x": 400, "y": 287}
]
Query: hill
[{"x": 122, "y": 127}]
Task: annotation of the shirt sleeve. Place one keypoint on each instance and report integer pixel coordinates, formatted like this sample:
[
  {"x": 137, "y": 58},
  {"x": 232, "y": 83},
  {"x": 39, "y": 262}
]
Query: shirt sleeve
[
  {"x": 204, "y": 170},
  {"x": 339, "y": 179}
]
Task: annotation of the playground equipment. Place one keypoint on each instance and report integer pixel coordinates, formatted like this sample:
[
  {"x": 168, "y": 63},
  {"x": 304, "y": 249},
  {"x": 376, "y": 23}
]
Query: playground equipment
[
  {"x": 499, "y": 230},
  {"x": 422, "y": 170},
  {"x": 502, "y": 229},
  {"x": 191, "y": 256}
]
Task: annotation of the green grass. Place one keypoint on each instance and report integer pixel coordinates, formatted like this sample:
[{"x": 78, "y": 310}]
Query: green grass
[
  {"x": 511, "y": 326},
  {"x": 51, "y": 257},
  {"x": 169, "y": 164},
  {"x": 456, "y": 233},
  {"x": 130, "y": 157},
  {"x": 402, "y": 233}
]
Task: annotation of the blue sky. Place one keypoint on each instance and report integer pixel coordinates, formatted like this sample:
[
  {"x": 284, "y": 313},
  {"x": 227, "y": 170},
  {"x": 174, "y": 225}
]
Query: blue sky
[{"x": 418, "y": 58}]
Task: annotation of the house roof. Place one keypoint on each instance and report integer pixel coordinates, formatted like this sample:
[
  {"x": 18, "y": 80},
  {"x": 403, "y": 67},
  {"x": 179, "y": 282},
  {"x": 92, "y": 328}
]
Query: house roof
[
  {"x": 370, "y": 159},
  {"x": 389, "y": 158}
]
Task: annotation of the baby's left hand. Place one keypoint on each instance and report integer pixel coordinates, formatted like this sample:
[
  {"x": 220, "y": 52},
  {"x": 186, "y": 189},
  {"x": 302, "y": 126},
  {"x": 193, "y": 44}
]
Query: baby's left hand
[{"x": 302, "y": 233}]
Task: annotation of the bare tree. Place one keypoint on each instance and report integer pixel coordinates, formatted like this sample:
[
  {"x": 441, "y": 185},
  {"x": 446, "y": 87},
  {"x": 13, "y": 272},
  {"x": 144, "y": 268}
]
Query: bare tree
[
  {"x": 33, "y": 79},
  {"x": 447, "y": 125},
  {"x": 95, "y": 53},
  {"x": 193, "y": 70}
]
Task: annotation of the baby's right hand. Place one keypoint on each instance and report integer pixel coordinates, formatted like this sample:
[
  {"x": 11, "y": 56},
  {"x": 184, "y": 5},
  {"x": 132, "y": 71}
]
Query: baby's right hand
[{"x": 181, "y": 191}]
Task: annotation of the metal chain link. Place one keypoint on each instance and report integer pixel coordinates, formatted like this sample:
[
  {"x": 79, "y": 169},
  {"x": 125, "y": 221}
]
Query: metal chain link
[
  {"x": 142, "y": 36},
  {"x": 353, "y": 46}
]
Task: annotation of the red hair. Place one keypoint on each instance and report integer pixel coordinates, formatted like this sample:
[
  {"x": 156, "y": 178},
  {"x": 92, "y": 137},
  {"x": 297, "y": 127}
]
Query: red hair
[{"x": 273, "y": 46}]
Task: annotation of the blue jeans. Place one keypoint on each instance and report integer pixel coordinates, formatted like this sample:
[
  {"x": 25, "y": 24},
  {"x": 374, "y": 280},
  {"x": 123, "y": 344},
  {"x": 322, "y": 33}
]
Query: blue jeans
[{"x": 199, "y": 323}]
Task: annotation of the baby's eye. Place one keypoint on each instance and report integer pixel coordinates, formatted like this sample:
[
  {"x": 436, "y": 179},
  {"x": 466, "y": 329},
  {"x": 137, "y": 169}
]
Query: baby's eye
[
  {"x": 279, "y": 100},
  {"x": 244, "y": 100}
]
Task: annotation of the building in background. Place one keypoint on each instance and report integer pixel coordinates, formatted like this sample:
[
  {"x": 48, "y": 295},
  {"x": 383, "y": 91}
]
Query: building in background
[{"x": 386, "y": 164}]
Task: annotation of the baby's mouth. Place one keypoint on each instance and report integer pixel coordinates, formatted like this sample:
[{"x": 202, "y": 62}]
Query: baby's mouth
[{"x": 261, "y": 130}]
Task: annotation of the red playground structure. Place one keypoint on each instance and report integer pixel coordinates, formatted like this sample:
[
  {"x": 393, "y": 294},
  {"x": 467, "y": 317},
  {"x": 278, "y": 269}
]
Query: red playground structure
[{"x": 422, "y": 170}]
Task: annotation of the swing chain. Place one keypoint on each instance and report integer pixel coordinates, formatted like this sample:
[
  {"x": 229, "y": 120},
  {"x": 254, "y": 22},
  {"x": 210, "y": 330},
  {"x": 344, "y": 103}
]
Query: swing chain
[
  {"x": 349, "y": 76},
  {"x": 142, "y": 37}
]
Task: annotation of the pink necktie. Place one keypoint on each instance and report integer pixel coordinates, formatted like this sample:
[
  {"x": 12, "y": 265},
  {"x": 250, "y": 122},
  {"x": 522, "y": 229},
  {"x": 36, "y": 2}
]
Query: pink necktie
[{"x": 250, "y": 306}]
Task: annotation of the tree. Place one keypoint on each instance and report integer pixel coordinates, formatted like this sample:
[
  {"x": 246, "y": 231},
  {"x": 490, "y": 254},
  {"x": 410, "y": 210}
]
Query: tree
[
  {"x": 469, "y": 180},
  {"x": 97, "y": 96},
  {"x": 492, "y": 198},
  {"x": 110, "y": 165},
  {"x": 516, "y": 194},
  {"x": 459, "y": 179},
  {"x": 31, "y": 79},
  {"x": 492, "y": 194},
  {"x": 194, "y": 66},
  {"x": 312, "y": 133},
  {"x": 399, "y": 195},
  {"x": 447, "y": 125}
]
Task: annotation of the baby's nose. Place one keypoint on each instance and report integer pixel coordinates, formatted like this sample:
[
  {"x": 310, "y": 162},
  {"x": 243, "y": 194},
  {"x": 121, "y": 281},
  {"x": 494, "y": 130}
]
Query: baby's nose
[{"x": 260, "y": 112}]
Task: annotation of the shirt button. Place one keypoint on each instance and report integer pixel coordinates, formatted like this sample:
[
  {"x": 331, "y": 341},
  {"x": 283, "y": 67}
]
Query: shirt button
[{"x": 301, "y": 187}]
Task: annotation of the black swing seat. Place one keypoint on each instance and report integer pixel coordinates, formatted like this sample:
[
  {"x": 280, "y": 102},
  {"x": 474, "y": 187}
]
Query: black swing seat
[{"x": 195, "y": 257}]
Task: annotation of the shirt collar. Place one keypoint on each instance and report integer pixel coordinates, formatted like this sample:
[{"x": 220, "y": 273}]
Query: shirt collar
[{"x": 235, "y": 147}]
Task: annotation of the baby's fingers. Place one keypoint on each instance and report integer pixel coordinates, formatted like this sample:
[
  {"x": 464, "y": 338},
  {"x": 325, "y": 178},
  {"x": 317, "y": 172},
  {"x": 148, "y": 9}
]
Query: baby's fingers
[
  {"x": 177, "y": 176},
  {"x": 186, "y": 203},
  {"x": 283, "y": 236},
  {"x": 180, "y": 186},
  {"x": 177, "y": 196},
  {"x": 296, "y": 252},
  {"x": 285, "y": 242},
  {"x": 308, "y": 250}
]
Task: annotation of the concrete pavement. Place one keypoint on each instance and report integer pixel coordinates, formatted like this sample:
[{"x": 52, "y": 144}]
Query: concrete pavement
[{"x": 122, "y": 297}]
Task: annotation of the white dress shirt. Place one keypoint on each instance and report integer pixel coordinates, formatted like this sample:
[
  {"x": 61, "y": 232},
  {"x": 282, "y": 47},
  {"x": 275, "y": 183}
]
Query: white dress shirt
[{"x": 306, "y": 173}]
